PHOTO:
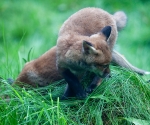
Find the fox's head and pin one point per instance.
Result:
(97, 53)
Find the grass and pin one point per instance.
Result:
(29, 27)
(118, 100)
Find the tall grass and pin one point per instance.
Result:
(119, 100)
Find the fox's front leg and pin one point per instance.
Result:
(96, 82)
(98, 79)
(68, 93)
(74, 87)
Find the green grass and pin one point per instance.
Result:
(28, 28)
(118, 101)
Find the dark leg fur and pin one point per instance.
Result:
(96, 81)
(69, 92)
(74, 87)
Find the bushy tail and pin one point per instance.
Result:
(121, 19)
(120, 60)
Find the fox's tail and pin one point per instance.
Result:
(121, 19)
(120, 60)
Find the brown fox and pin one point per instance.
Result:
(80, 50)
(39, 72)
(85, 43)
(43, 71)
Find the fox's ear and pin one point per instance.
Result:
(88, 48)
(106, 31)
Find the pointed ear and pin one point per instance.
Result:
(88, 48)
(106, 31)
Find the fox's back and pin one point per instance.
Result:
(89, 21)
(41, 71)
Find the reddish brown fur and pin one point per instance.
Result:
(41, 71)
(85, 43)
(85, 25)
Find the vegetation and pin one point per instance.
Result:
(28, 28)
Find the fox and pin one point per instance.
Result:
(83, 50)
(39, 72)
(42, 71)
(85, 44)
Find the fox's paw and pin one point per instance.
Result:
(82, 95)
(91, 88)
(88, 90)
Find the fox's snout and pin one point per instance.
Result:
(102, 72)
(105, 73)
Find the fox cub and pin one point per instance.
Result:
(85, 44)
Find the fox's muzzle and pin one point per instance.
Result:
(105, 73)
